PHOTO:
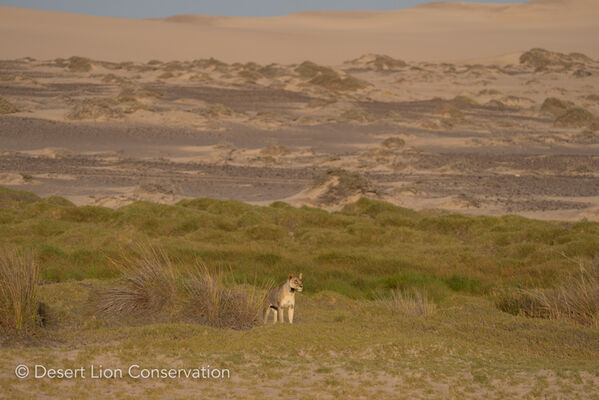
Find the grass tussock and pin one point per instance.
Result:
(150, 285)
(155, 288)
(576, 300)
(19, 302)
(413, 302)
(6, 107)
(210, 302)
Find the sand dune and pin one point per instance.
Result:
(431, 32)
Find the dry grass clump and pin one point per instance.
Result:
(555, 106)
(155, 289)
(541, 59)
(328, 78)
(7, 107)
(150, 285)
(575, 117)
(79, 64)
(412, 302)
(577, 300)
(210, 302)
(94, 109)
(19, 303)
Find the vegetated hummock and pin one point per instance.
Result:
(368, 247)
(417, 291)
(7, 107)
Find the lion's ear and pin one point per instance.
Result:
(300, 275)
(290, 276)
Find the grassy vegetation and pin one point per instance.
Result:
(367, 248)
(576, 299)
(397, 303)
(19, 304)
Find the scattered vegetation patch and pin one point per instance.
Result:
(555, 106)
(348, 183)
(79, 64)
(215, 111)
(575, 117)
(448, 110)
(379, 62)
(7, 107)
(541, 59)
(357, 115)
(98, 108)
(275, 150)
(329, 78)
(393, 143)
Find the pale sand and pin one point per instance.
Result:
(431, 32)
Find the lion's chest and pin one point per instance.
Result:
(288, 300)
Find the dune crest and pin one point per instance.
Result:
(430, 32)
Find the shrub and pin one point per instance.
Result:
(19, 304)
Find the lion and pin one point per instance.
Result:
(283, 297)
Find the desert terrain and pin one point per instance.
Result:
(518, 137)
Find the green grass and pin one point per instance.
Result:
(354, 251)
(396, 303)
